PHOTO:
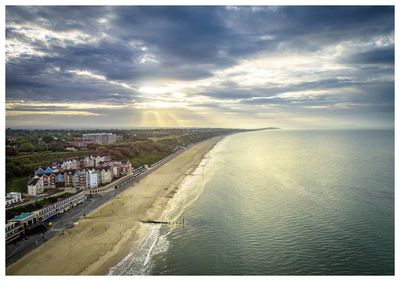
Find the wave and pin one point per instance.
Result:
(156, 241)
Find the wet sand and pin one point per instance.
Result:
(105, 236)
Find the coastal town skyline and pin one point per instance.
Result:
(131, 67)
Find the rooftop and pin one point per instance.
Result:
(33, 181)
(14, 193)
(21, 217)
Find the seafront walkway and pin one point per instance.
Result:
(111, 186)
(37, 199)
(16, 251)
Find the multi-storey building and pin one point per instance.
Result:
(59, 177)
(14, 231)
(13, 198)
(100, 138)
(115, 171)
(49, 180)
(106, 175)
(89, 161)
(126, 168)
(79, 142)
(60, 206)
(68, 178)
(71, 164)
(35, 186)
(93, 179)
(18, 225)
(70, 174)
(79, 179)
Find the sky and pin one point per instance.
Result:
(226, 66)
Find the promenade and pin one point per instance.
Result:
(105, 236)
(96, 199)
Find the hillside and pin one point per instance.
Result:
(138, 146)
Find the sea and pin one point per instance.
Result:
(280, 202)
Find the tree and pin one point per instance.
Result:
(92, 146)
(41, 146)
(56, 146)
(27, 147)
(47, 139)
(11, 151)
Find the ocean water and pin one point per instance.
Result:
(281, 203)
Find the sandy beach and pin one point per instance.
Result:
(108, 234)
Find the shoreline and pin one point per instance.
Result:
(98, 242)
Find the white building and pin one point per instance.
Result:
(106, 175)
(71, 164)
(115, 171)
(67, 165)
(60, 206)
(14, 230)
(89, 161)
(93, 182)
(35, 186)
(15, 226)
(116, 168)
(98, 160)
(13, 198)
(75, 164)
(100, 138)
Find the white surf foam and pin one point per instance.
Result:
(156, 241)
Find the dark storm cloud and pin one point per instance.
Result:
(136, 45)
(57, 18)
(310, 28)
(192, 39)
(228, 93)
(338, 21)
(378, 96)
(180, 35)
(28, 80)
(377, 56)
(195, 34)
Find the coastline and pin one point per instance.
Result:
(108, 234)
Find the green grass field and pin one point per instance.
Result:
(42, 158)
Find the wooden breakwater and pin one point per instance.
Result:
(164, 222)
(152, 221)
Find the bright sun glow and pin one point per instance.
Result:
(159, 104)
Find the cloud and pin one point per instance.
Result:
(375, 56)
(220, 60)
(59, 112)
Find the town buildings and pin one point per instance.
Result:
(93, 178)
(95, 138)
(13, 198)
(35, 186)
(18, 225)
(106, 175)
(100, 138)
(60, 207)
(14, 231)
(79, 173)
(79, 142)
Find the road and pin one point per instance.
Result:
(19, 249)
